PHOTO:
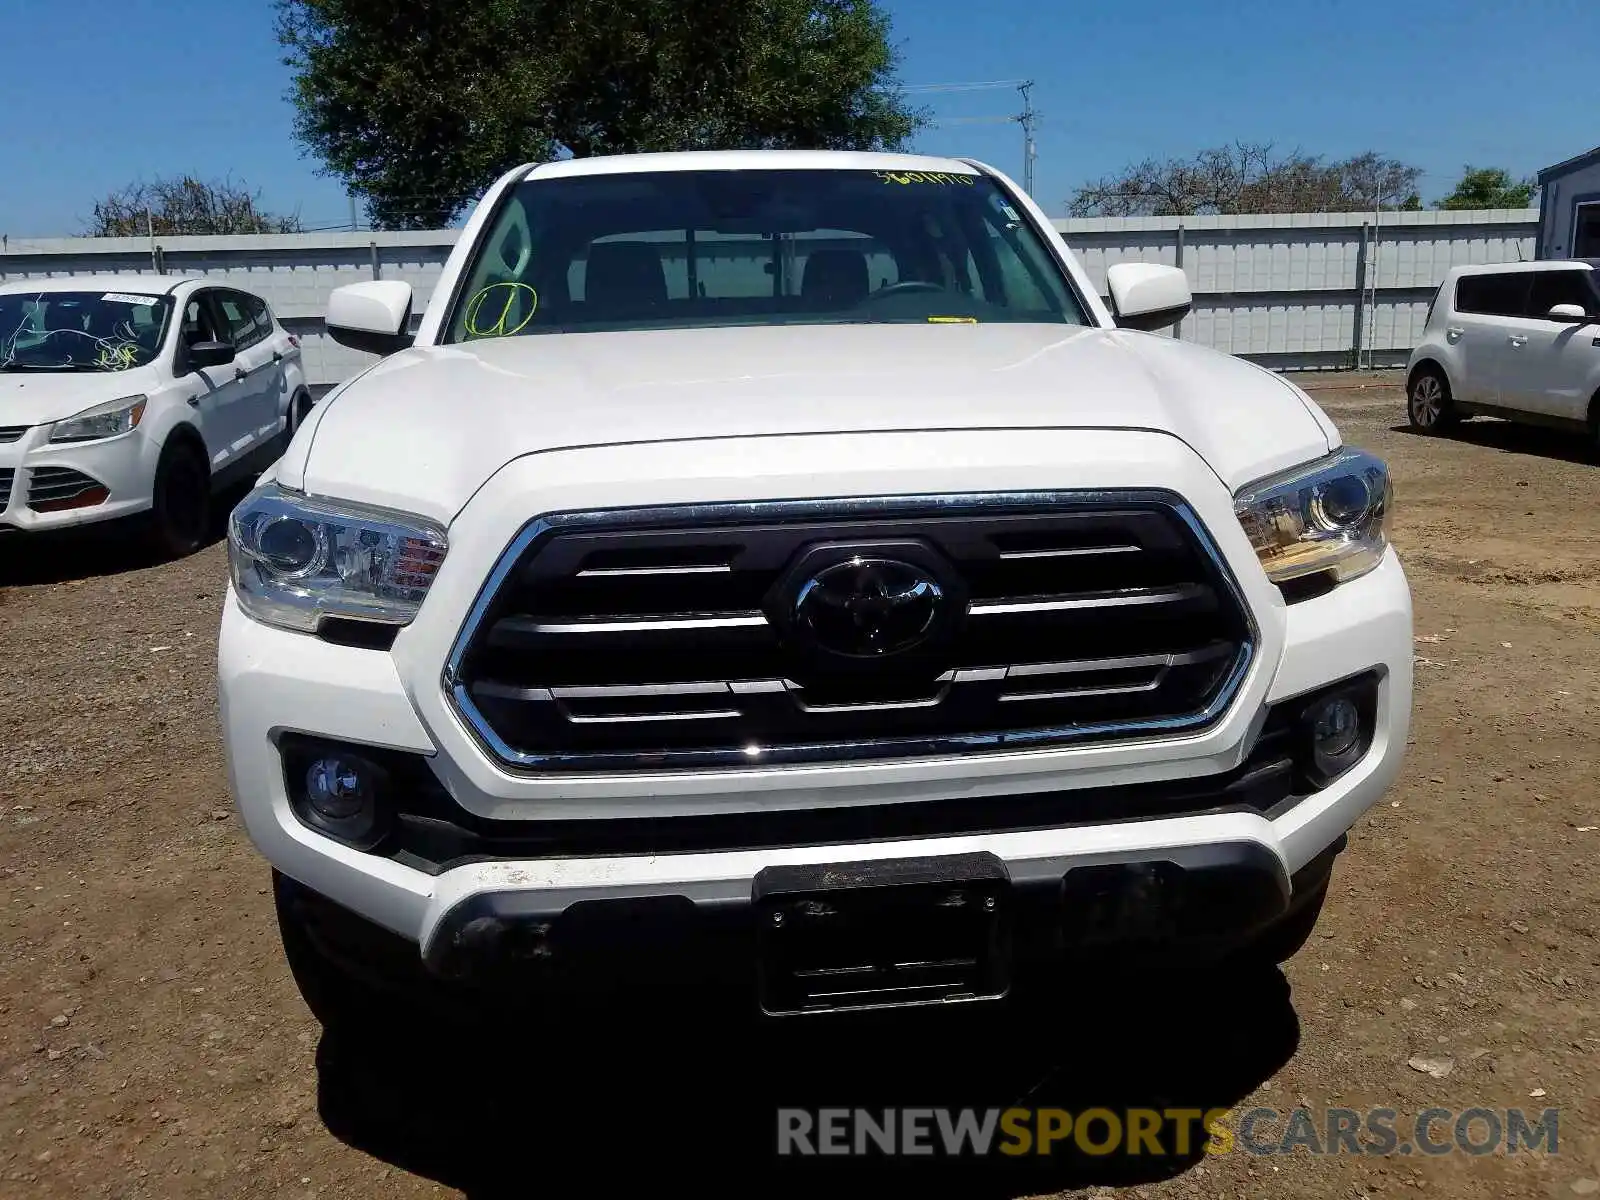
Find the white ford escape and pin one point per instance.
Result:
(124, 395)
(783, 562)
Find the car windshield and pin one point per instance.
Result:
(673, 249)
(81, 331)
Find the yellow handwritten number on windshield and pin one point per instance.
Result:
(497, 322)
(948, 179)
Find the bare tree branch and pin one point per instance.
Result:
(168, 207)
(1248, 177)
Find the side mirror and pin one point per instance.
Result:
(373, 317)
(1148, 296)
(210, 354)
(1568, 312)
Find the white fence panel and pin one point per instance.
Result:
(1294, 291)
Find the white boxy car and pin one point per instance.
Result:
(137, 394)
(1519, 341)
(782, 569)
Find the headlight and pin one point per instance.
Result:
(296, 560)
(101, 421)
(1326, 516)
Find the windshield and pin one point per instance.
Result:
(674, 249)
(81, 331)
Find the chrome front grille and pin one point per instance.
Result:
(665, 639)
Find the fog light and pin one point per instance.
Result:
(1335, 733)
(338, 792)
(334, 788)
(1335, 729)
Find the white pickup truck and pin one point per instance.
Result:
(786, 562)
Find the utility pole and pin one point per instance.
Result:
(1027, 119)
(1371, 283)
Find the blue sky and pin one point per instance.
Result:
(100, 92)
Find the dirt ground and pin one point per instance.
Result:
(153, 1045)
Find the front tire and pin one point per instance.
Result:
(180, 510)
(1430, 407)
(340, 1000)
(1281, 942)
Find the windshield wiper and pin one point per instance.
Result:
(26, 366)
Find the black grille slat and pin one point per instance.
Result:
(12, 433)
(665, 599)
(52, 484)
(7, 476)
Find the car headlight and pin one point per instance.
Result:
(1324, 517)
(297, 560)
(102, 421)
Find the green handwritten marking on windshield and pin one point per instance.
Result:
(942, 178)
(118, 357)
(497, 322)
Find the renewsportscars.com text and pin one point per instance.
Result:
(1168, 1131)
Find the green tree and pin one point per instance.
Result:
(1489, 187)
(419, 106)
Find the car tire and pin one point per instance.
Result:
(1280, 942)
(1430, 407)
(340, 1000)
(180, 508)
(299, 409)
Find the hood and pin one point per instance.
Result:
(40, 397)
(425, 428)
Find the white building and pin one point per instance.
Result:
(1569, 208)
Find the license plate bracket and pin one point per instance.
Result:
(882, 934)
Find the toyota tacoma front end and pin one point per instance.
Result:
(788, 561)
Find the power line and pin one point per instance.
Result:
(924, 89)
(1028, 118)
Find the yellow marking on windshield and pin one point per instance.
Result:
(118, 357)
(952, 320)
(499, 327)
(943, 178)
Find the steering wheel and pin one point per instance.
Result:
(904, 287)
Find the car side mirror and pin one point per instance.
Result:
(1568, 312)
(372, 317)
(1148, 296)
(210, 354)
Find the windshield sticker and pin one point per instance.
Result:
(952, 320)
(125, 298)
(498, 322)
(935, 177)
(1011, 213)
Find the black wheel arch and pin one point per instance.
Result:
(186, 435)
(1431, 366)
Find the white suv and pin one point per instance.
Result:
(124, 395)
(1519, 341)
(783, 562)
